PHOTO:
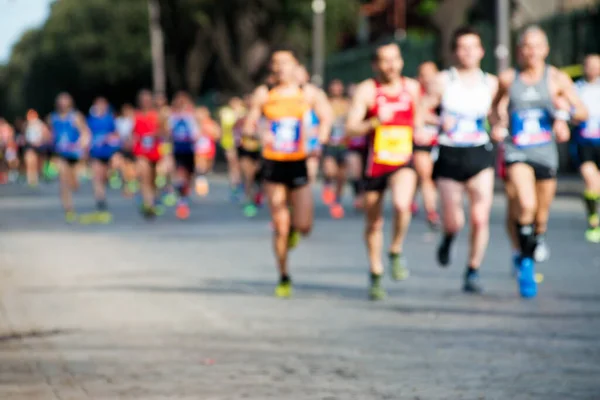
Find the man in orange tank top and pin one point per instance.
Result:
(383, 110)
(280, 112)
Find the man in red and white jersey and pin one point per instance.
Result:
(383, 110)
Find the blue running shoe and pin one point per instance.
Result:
(527, 281)
(516, 264)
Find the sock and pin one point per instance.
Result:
(470, 271)
(591, 202)
(540, 237)
(448, 239)
(394, 256)
(375, 279)
(284, 279)
(101, 205)
(526, 240)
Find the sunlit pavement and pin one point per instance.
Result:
(183, 310)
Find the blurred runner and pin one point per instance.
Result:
(312, 124)
(146, 144)
(587, 136)
(540, 98)
(71, 142)
(334, 153)
(284, 106)
(8, 153)
(248, 150)
(105, 143)
(205, 148)
(423, 154)
(466, 160)
(228, 115)
(383, 110)
(124, 124)
(37, 141)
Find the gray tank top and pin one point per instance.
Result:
(531, 113)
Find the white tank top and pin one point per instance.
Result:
(465, 109)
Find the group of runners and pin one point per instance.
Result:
(444, 132)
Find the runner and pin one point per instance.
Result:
(248, 150)
(103, 153)
(8, 152)
(284, 106)
(588, 144)
(184, 129)
(146, 144)
(124, 124)
(205, 148)
(334, 161)
(71, 140)
(228, 115)
(539, 99)
(37, 137)
(466, 160)
(312, 124)
(383, 109)
(424, 156)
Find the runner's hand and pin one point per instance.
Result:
(423, 136)
(561, 130)
(499, 133)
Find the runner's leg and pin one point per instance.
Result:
(424, 167)
(403, 185)
(453, 216)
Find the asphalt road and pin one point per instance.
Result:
(183, 310)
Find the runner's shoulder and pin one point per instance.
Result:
(260, 93)
(365, 90)
(558, 75)
(507, 77)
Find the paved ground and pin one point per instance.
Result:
(171, 310)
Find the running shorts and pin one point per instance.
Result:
(253, 155)
(292, 174)
(463, 163)
(380, 183)
(542, 172)
(588, 153)
(336, 152)
(426, 149)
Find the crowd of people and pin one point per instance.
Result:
(444, 133)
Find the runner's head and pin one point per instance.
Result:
(32, 115)
(427, 72)
(127, 110)
(591, 67)
(467, 47)
(533, 47)
(100, 106)
(336, 88)
(387, 62)
(236, 104)
(145, 100)
(284, 65)
(182, 101)
(64, 102)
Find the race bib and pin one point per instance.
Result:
(250, 143)
(531, 128)
(287, 135)
(148, 142)
(34, 135)
(468, 131)
(64, 143)
(203, 145)
(393, 144)
(590, 129)
(337, 134)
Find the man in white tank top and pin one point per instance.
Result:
(465, 161)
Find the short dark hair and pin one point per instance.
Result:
(379, 45)
(463, 31)
(285, 49)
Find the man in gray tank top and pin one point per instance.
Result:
(531, 110)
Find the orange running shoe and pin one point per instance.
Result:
(328, 196)
(337, 211)
(182, 211)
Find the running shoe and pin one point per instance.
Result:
(160, 181)
(433, 219)
(336, 211)
(103, 217)
(293, 239)
(169, 199)
(471, 283)
(250, 210)
(414, 208)
(70, 217)
(443, 254)
(399, 270)
(182, 211)
(328, 195)
(376, 291)
(148, 212)
(542, 252)
(592, 235)
(283, 290)
(259, 199)
(527, 282)
(115, 181)
(133, 186)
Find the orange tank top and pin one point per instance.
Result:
(285, 115)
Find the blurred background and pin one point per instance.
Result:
(215, 49)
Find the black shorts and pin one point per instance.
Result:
(69, 160)
(338, 153)
(380, 183)
(462, 163)
(127, 154)
(542, 172)
(588, 153)
(417, 147)
(185, 161)
(292, 174)
(103, 160)
(253, 155)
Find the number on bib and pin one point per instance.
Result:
(393, 144)
(148, 142)
(287, 135)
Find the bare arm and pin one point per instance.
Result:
(324, 111)
(499, 109)
(356, 124)
(259, 98)
(566, 88)
(430, 101)
(84, 130)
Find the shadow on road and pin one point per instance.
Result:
(33, 334)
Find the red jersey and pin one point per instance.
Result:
(146, 141)
(390, 145)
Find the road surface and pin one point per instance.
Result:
(183, 310)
